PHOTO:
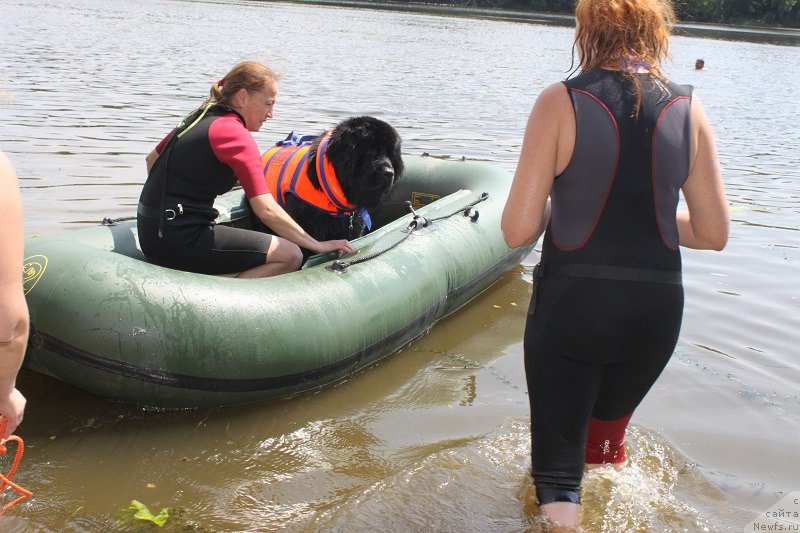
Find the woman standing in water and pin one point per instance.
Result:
(612, 148)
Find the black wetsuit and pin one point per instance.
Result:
(608, 302)
(200, 159)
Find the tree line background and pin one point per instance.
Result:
(748, 12)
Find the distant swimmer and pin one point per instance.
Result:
(699, 64)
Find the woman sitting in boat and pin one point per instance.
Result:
(202, 158)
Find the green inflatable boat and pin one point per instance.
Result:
(109, 322)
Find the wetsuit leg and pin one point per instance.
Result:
(593, 348)
(205, 249)
(623, 386)
(561, 392)
(223, 249)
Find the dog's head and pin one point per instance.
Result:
(365, 153)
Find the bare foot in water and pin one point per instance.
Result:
(562, 516)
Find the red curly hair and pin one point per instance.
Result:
(609, 32)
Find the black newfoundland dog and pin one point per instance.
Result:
(329, 184)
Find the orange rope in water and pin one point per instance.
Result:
(24, 494)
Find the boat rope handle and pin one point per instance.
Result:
(417, 222)
(24, 494)
(341, 266)
(467, 210)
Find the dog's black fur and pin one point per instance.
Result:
(365, 154)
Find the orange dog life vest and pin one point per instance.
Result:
(285, 169)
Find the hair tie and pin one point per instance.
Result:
(220, 82)
(634, 63)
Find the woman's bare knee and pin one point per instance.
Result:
(282, 257)
(286, 253)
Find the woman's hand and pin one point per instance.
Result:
(12, 408)
(273, 215)
(340, 246)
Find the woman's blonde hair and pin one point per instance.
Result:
(248, 75)
(631, 32)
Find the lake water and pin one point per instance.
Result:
(436, 437)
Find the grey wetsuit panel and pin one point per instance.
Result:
(670, 164)
(581, 190)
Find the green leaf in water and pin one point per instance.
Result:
(143, 513)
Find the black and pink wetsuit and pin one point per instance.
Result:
(607, 309)
(200, 159)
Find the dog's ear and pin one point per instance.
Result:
(397, 157)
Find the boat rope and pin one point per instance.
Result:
(24, 494)
(108, 221)
(341, 266)
(418, 222)
(467, 210)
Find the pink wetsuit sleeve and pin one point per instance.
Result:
(160, 146)
(234, 146)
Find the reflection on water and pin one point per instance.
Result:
(436, 437)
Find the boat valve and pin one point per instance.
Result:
(473, 214)
(338, 266)
(419, 224)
